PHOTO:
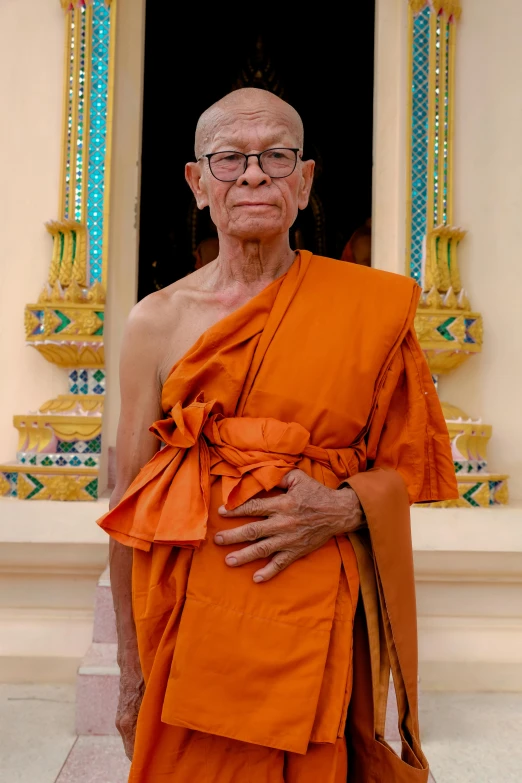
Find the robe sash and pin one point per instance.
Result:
(250, 454)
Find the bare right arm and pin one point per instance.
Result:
(135, 445)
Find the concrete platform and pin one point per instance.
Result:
(468, 738)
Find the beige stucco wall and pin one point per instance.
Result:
(124, 202)
(488, 203)
(31, 73)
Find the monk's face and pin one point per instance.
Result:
(253, 207)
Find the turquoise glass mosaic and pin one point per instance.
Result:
(79, 446)
(97, 136)
(419, 139)
(12, 480)
(433, 220)
(87, 382)
(73, 459)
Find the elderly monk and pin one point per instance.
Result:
(261, 560)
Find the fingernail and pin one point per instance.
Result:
(218, 539)
(258, 578)
(222, 510)
(231, 561)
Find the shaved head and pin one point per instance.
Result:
(245, 103)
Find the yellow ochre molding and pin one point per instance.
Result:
(108, 152)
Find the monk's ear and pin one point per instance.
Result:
(305, 186)
(195, 181)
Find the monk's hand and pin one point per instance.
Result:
(295, 523)
(132, 688)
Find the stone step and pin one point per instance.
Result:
(95, 760)
(104, 619)
(97, 690)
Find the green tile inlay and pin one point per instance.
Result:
(92, 489)
(64, 321)
(37, 486)
(469, 495)
(443, 329)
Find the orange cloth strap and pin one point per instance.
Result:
(250, 454)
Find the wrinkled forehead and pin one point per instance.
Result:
(248, 130)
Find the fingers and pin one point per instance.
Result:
(278, 563)
(252, 531)
(292, 478)
(258, 551)
(255, 507)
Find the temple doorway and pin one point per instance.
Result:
(321, 64)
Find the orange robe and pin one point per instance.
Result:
(320, 371)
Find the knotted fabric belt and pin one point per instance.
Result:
(250, 454)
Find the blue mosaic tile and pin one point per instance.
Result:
(419, 139)
(101, 25)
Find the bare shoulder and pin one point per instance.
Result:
(156, 325)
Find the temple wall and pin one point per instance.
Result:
(31, 78)
(488, 203)
(124, 204)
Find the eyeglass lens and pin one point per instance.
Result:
(228, 166)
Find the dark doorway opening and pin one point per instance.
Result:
(321, 63)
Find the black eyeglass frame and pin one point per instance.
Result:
(257, 155)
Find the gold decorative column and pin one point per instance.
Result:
(60, 445)
(448, 329)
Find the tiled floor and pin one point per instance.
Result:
(468, 738)
(36, 731)
(473, 738)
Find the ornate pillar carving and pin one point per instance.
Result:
(60, 445)
(448, 329)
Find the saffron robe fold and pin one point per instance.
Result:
(320, 371)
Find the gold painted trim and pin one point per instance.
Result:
(416, 6)
(94, 339)
(451, 112)
(86, 112)
(409, 146)
(50, 469)
(108, 151)
(63, 305)
(481, 478)
(74, 129)
(51, 419)
(431, 127)
(61, 205)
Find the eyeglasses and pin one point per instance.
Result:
(276, 163)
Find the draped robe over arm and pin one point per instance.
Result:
(321, 371)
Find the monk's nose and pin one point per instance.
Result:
(254, 174)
